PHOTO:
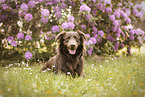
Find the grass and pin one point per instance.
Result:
(111, 77)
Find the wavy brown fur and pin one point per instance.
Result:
(64, 61)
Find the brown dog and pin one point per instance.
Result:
(70, 54)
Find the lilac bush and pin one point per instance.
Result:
(109, 24)
(28, 17)
(28, 55)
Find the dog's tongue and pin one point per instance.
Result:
(72, 51)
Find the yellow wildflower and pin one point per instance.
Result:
(76, 91)
(135, 93)
(48, 92)
(59, 92)
(26, 81)
(129, 75)
(96, 90)
(141, 85)
(102, 84)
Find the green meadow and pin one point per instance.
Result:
(106, 76)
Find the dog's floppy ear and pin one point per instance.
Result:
(59, 35)
(82, 34)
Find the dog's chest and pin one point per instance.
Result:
(72, 65)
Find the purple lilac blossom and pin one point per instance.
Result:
(24, 7)
(28, 17)
(128, 11)
(84, 7)
(56, 1)
(99, 6)
(139, 38)
(44, 20)
(10, 39)
(128, 20)
(139, 15)
(45, 12)
(117, 14)
(31, 4)
(140, 43)
(131, 38)
(64, 25)
(49, 36)
(134, 11)
(88, 35)
(119, 30)
(28, 38)
(96, 35)
(14, 43)
(89, 52)
(71, 25)
(81, 0)
(112, 17)
(2, 1)
(107, 1)
(20, 36)
(108, 10)
(101, 33)
(114, 28)
(94, 1)
(138, 6)
(110, 38)
(88, 17)
(121, 45)
(93, 39)
(116, 23)
(123, 33)
(58, 14)
(83, 27)
(95, 29)
(94, 12)
(132, 32)
(139, 32)
(28, 55)
(5, 6)
(123, 14)
(56, 8)
(144, 39)
(119, 4)
(40, 1)
(87, 43)
(71, 19)
(55, 29)
(63, 5)
(116, 45)
(142, 12)
(99, 40)
(117, 35)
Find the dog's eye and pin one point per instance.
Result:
(67, 37)
(76, 37)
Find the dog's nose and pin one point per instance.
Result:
(72, 45)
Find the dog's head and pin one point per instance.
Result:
(71, 40)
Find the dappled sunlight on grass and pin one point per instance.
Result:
(110, 77)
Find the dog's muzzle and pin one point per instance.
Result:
(72, 49)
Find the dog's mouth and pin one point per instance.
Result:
(72, 51)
